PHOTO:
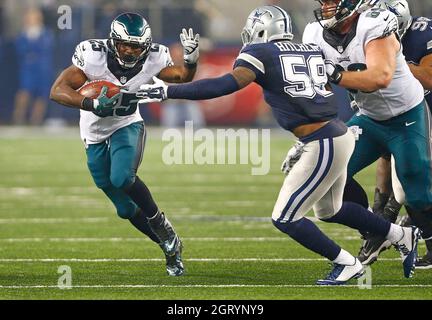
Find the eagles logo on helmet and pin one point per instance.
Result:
(131, 29)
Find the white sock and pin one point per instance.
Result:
(395, 233)
(345, 258)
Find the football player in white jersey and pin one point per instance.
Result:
(364, 55)
(112, 128)
(416, 37)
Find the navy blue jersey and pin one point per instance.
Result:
(293, 78)
(417, 43)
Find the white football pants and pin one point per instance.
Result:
(317, 180)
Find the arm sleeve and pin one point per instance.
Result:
(78, 58)
(204, 89)
(250, 58)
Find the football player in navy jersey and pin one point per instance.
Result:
(294, 81)
(416, 35)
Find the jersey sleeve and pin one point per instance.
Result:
(378, 24)
(78, 58)
(90, 57)
(424, 35)
(252, 59)
(165, 55)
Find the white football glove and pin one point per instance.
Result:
(155, 92)
(190, 45)
(292, 157)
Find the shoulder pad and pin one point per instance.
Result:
(376, 23)
(310, 32)
(155, 47)
(90, 54)
(160, 54)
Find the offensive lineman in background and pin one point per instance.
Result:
(416, 35)
(295, 86)
(113, 130)
(393, 115)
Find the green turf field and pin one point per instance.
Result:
(51, 215)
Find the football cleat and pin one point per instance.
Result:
(371, 249)
(407, 247)
(340, 274)
(374, 245)
(173, 250)
(424, 262)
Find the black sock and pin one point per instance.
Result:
(140, 221)
(354, 192)
(141, 195)
(380, 200)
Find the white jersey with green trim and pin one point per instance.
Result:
(348, 51)
(94, 58)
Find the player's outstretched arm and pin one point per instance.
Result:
(203, 89)
(380, 66)
(185, 73)
(64, 88)
(423, 71)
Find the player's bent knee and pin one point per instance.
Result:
(289, 228)
(122, 180)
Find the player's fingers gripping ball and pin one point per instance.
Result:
(104, 95)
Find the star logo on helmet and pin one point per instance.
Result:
(257, 17)
(394, 10)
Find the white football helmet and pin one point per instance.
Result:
(401, 9)
(267, 23)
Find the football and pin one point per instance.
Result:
(92, 89)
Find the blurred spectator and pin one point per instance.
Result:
(174, 113)
(104, 17)
(34, 50)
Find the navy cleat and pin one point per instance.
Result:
(173, 250)
(342, 274)
(407, 247)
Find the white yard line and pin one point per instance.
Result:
(183, 216)
(222, 286)
(52, 220)
(141, 239)
(158, 259)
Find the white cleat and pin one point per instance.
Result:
(407, 247)
(342, 273)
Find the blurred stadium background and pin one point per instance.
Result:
(33, 50)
